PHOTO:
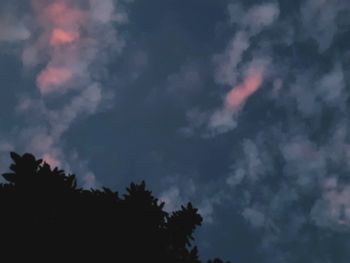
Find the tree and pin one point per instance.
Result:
(44, 212)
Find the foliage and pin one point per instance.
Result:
(45, 213)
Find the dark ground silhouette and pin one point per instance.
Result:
(45, 216)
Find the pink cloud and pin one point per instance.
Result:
(51, 78)
(51, 160)
(61, 37)
(239, 94)
(224, 119)
(58, 14)
(60, 22)
(64, 39)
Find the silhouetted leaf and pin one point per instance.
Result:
(15, 157)
(10, 177)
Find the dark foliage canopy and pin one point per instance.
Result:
(46, 216)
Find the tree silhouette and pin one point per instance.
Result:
(45, 215)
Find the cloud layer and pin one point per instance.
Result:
(238, 106)
(288, 173)
(65, 43)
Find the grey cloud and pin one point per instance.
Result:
(11, 31)
(179, 191)
(312, 90)
(288, 174)
(228, 61)
(260, 16)
(254, 216)
(186, 81)
(332, 210)
(319, 19)
(249, 23)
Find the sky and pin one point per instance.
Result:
(240, 107)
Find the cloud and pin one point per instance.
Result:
(178, 192)
(255, 217)
(279, 79)
(321, 20)
(289, 170)
(86, 103)
(249, 23)
(259, 17)
(69, 51)
(226, 72)
(171, 198)
(225, 119)
(51, 78)
(312, 92)
(235, 99)
(11, 31)
(244, 77)
(67, 45)
(333, 209)
(285, 182)
(51, 160)
(61, 37)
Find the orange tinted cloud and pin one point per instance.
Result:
(60, 14)
(65, 42)
(224, 119)
(240, 93)
(52, 77)
(61, 37)
(61, 22)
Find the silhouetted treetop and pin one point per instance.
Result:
(43, 211)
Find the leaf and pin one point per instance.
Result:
(15, 157)
(9, 177)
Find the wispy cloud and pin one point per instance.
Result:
(12, 31)
(243, 77)
(289, 175)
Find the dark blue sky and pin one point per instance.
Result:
(238, 106)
